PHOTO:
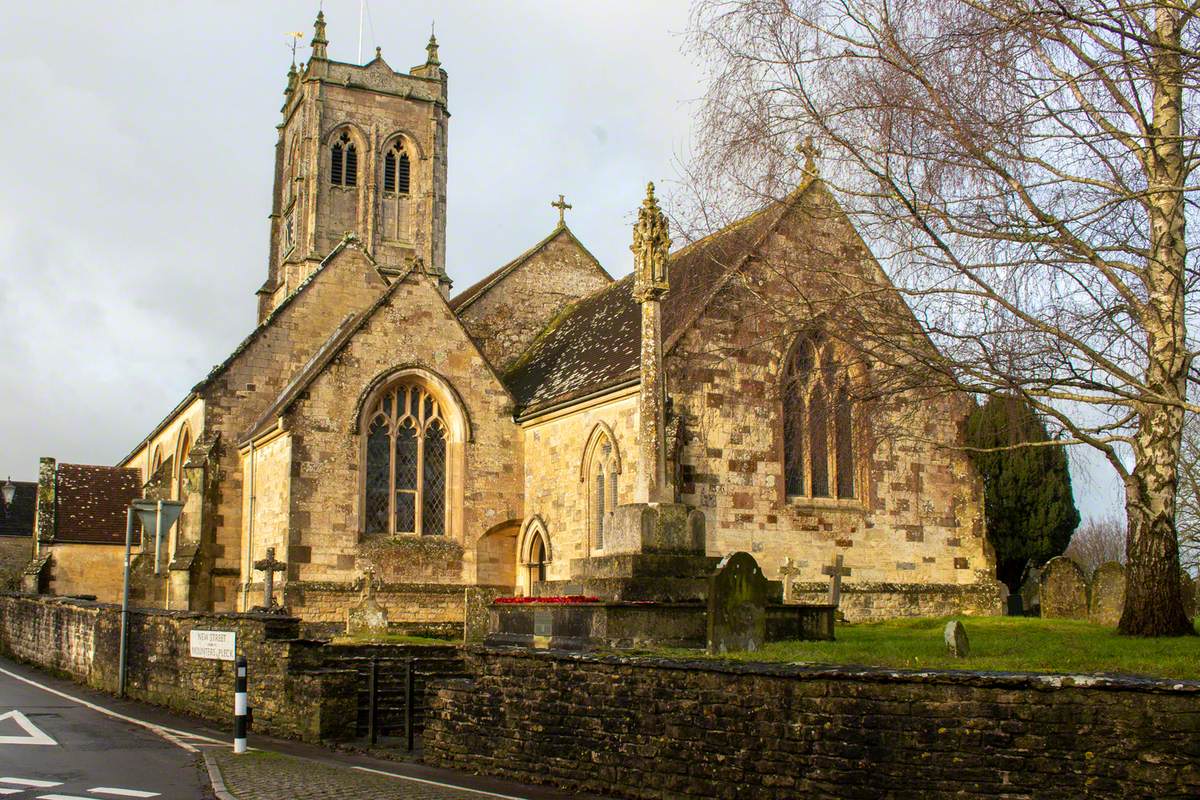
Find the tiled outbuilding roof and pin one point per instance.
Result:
(594, 343)
(16, 519)
(91, 503)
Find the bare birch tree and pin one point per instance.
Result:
(1023, 170)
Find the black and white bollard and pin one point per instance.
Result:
(239, 708)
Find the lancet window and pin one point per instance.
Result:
(343, 167)
(602, 483)
(396, 169)
(818, 423)
(406, 483)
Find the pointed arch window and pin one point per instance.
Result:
(185, 445)
(343, 166)
(397, 169)
(818, 423)
(537, 558)
(602, 488)
(405, 486)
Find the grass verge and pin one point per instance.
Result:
(1009, 644)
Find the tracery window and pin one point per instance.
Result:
(405, 490)
(537, 558)
(185, 445)
(343, 167)
(818, 423)
(603, 488)
(396, 169)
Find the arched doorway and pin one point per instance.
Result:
(535, 555)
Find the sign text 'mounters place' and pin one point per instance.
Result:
(219, 645)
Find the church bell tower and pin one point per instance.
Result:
(362, 151)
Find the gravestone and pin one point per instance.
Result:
(737, 599)
(956, 639)
(368, 617)
(1064, 590)
(1187, 587)
(787, 571)
(1108, 594)
(835, 572)
(1031, 592)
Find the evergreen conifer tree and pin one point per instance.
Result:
(1029, 507)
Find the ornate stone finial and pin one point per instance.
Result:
(432, 50)
(291, 80)
(563, 206)
(651, 244)
(378, 52)
(319, 41)
(811, 153)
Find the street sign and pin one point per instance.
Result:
(216, 645)
(33, 734)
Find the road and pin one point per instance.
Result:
(61, 741)
(54, 748)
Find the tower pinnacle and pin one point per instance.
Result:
(319, 41)
(432, 50)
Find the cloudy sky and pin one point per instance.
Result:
(137, 177)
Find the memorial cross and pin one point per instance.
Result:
(269, 566)
(788, 569)
(835, 573)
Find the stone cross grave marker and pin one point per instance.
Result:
(788, 569)
(1108, 594)
(737, 605)
(1064, 590)
(269, 566)
(368, 616)
(835, 572)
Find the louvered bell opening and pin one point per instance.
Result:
(351, 166)
(403, 172)
(389, 172)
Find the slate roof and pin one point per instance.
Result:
(594, 344)
(17, 518)
(91, 502)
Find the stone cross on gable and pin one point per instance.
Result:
(269, 566)
(835, 573)
(811, 153)
(788, 569)
(563, 206)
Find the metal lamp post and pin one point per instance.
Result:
(157, 517)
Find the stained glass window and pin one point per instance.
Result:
(406, 448)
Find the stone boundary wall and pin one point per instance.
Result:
(291, 692)
(874, 602)
(651, 728)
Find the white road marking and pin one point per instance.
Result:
(62, 797)
(438, 783)
(170, 734)
(32, 783)
(10, 791)
(33, 734)
(121, 792)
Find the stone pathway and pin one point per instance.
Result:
(272, 776)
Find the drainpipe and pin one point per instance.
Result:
(249, 539)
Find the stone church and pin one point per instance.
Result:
(374, 420)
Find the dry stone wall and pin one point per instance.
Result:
(645, 728)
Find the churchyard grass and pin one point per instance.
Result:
(390, 638)
(1010, 644)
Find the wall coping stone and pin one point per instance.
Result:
(1006, 680)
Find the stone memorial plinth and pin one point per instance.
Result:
(1108, 594)
(653, 587)
(1064, 590)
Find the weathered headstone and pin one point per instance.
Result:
(1187, 585)
(368, 617)
(956, 639)
(1031, 591)
(1064, 590)
(737, 599)
(269, 566)
(1108, 594)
